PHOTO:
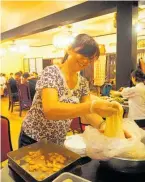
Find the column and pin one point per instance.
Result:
(127, 14)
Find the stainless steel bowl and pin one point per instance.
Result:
(125, 165)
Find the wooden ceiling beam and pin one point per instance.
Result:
(76, 13)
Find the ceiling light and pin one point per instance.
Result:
(23, 48)
(62, 41)
(138, 27)
(64, 38)
(108, 27)
(13, 48)
(2, 51)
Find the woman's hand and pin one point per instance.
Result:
(102, 127)
(118, 106)
(126, 133)
(105, 108)
(120, 90)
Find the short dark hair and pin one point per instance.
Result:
(11, 73)
(18, 74)
(21, 72)
(26, 75)
(138, 75)
(87, 46)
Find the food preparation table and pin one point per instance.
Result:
(92, 171)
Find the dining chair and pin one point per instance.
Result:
(6, 145)
(13, 98)
(25, 101)
(76, 126)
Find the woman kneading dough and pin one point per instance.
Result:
(63, 94)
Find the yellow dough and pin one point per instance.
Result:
(114, 129)
(114, 126)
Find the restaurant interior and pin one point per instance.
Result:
(35, 35)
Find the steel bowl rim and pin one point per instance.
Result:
(128, 159)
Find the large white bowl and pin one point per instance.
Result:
(76, 144)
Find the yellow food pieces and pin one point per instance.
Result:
(33, 168)
(49, 164)
(42, 157)
(41, 177)
(46, 165)
(68, 180)
(31, 162)
(18, 162)
(27, 159)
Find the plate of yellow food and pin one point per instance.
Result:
(69, 177)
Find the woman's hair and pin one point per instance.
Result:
(139, 64)
(138, 75)
(86, 45)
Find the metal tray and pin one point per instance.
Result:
(45, 147)
(73, 177)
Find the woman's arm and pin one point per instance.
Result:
(93, 119)
(55, 110)
(128, 92)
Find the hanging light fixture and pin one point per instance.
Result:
(64, 39)
(23, 48)
(19, 48)
(138, 27)
(2, 51)
(13, 47)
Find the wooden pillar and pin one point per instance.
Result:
(127, 14)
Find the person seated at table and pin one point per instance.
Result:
(136, 96)
(25, 77)
(5, 78)
(2, 84)
(13, 84)
(11, 77)
(107, 88)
